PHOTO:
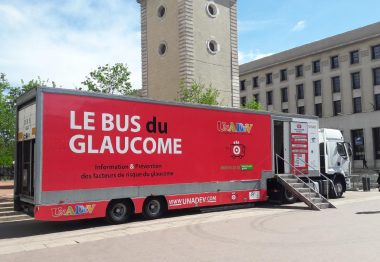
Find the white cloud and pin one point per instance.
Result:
(64, 41)
(245, 57)
(299, 26)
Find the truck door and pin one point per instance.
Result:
(281, 146)
(338, 157)
(346, 161)
(26, 151)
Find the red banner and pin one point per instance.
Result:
(299, 147)
(91, 142)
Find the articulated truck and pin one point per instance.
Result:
(86, 155)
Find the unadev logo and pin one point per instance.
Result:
(73, 210)
(232, 127)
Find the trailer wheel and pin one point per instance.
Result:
(338, 188)
(118, 211)
(154, 207)
(289, 197)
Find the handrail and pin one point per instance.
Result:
(332, 183)
(310, 188)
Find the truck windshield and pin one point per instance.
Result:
(341, 149)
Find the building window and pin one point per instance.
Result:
(376, 76)
(256, 97)
(212, 9)
(162, 48)
(243, 101)
(269, 78)
(269, 98)
(318, 110)
(377, 102)
(300, 93)
(299, 70)
(285, 110)
(213, 47)
(358, 144)
(301, 110)
(283, 75)
(161, 11)
(337, 107)
(335, 83)
(376, 142)
(357, 104)
(255, 81)
(242, 85)
(334, 61)
(375, 52)
(355, 79)
(316, 66)
(284, 94)
(317, 87)
(354, 57)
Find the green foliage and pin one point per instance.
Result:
(7, 125)
(197, 93)
(8, 96)
(253, 105)
(110, 80)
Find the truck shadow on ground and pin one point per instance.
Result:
(276, 205)
(29, 228)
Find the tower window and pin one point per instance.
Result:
(212, 46)
(161, 11)
(212, 9)
(162, 48)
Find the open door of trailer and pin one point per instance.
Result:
(26, 139)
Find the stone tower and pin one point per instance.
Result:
(186, 41)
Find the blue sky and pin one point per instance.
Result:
(64, 40)
(272, 26)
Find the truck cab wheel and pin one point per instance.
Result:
(153, 207)
(118, 212)
(288, 197)
(338, 188)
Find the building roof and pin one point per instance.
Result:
(350, 37)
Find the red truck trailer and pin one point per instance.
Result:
(86, 155)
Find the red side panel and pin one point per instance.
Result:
(214, 199)
(71, 211)
(65, 212)
(91, 143)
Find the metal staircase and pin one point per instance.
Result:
(303, 191)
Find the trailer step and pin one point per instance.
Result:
(8, 213)
(304, 192)
(5, 199)
(3, 209)
(6, 204)
(15, 218)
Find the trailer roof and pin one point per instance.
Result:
(32, 93)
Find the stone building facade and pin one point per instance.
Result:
(185, 41)
(337, 79)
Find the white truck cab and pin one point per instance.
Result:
(335, 159)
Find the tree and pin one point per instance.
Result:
(7, 124)
(110, 80)
(254, 105)
(8, 96)
(197, 93)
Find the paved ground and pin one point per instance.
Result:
(263, 233)
(6, 188)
